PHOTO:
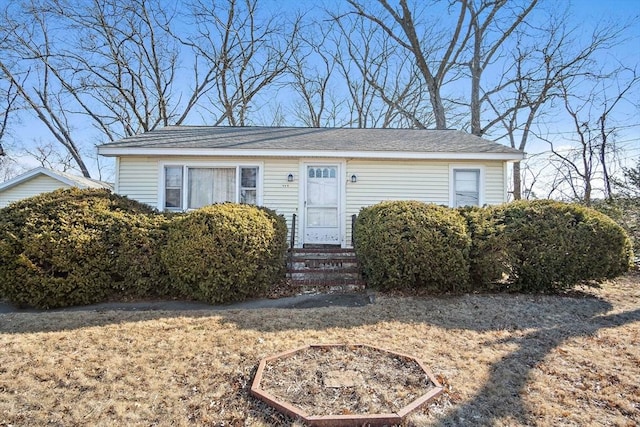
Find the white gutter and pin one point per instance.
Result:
(128, 151)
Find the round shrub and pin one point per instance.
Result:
(409, 244)
(226, 252)
(488, 257)
(74, 246)
(552, 246)
(626, 213)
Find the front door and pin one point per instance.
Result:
(322, 205)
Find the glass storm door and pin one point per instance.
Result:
(322, 224)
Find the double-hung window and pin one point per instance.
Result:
(173, 188)
(192, 187)
(466, 187)
(249, 185)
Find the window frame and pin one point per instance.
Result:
(164, 186)
(208, 165)
(453, 168)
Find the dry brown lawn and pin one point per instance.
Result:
(505, 359)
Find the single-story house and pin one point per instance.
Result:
(322, 175)
(42, 180)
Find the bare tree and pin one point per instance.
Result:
(114, 71)
(8, 107)
(629, 184)
(593, 145)
(544, 61)
(124, 64)
(486, 34)
(48, 156)
(355, 56)
(479, 30)
(117, 74)
(531, 61)
(384, 86)
(8, 96)
(607, 144)
(27, 48)
(435, 53)
(243, 51)
(311, 69)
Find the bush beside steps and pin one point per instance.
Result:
(73, 247)
(526, 246)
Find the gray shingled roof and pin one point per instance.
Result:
(322, 139)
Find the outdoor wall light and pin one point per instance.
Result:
(354, 178)
(290, 177)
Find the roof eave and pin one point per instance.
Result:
(33, 173)
(108, 151)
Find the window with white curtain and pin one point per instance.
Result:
(211, 185)
(194, 187)
(466, 187)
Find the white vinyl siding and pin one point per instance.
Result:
(138, 179)
(280, 194)
(426, 181)
(495, 183)
(32, 187)
(377, 180)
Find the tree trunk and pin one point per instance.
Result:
(517, 181)
(438, 108)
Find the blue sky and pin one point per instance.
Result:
(585, 14)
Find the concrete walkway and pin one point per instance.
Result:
(299, 301)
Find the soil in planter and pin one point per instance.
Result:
(345, 380)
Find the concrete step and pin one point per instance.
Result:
(327, 264)
(326, 275)
(324, 268)
(308, 286)
(322, 253)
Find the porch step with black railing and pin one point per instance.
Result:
(324, 270)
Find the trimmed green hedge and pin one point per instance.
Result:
(539, 246)
(226, 252)
(73, 247)
(552, 246)
(488, 256)
(409, 244)
(625, 212)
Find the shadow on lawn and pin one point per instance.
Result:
(553, 319)
(500, 397)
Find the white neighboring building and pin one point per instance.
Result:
(42, 180)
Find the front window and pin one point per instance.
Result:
(173, 187)
(195, 187)
(249, 185)
(211, 185)
(466, 187)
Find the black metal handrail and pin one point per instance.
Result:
(353, 228)
(293, 232)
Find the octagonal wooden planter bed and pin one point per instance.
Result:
(344, 385)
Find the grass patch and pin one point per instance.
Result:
(504, 359)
